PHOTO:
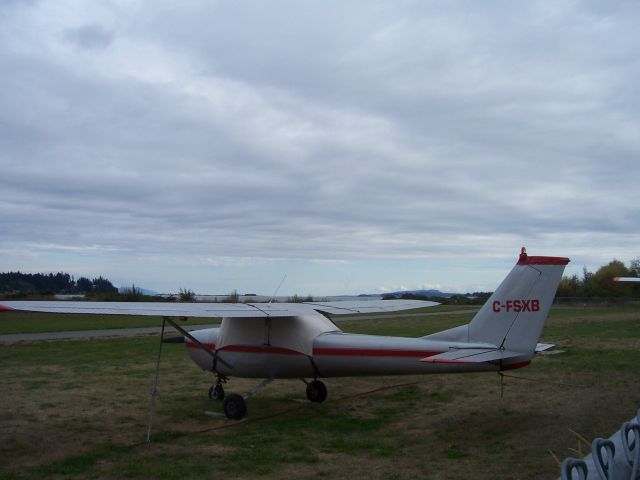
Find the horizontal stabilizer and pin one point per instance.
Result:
(541, 347)
(471, 355)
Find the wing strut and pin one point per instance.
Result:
(154, 391)
(213, 355)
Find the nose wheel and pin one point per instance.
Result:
(216, 392)
(235, 406)
(316, 391)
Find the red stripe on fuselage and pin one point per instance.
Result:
(209, 346)
(4, 308)
(344, 352)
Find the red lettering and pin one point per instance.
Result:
(516, 306)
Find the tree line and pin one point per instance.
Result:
(475, 298)
(600, 284)
(52, 283)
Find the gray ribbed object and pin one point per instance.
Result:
(623, 446)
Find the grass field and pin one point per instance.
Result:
(78, 409)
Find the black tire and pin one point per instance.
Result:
(216, 392)
(316, 391)
(235, 408)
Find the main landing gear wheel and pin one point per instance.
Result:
(216, 392)
(316, 391)
(235, 408)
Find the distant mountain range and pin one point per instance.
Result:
(145, 291)
(423, 293)
(398, 294)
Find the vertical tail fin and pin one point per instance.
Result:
(514, 316)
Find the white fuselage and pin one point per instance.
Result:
(335, 354)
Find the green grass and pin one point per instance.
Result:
(85, 355)
(71, 465)
(577, 312)
(405, 326)
(78, 409)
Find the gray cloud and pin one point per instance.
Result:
(91, 37)
(338, 133)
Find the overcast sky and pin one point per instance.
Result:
(357, 146)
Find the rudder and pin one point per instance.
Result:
(514, 316)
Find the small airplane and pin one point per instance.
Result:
(299, 340)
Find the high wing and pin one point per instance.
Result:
(211, 310)
(543, 347)
(158, 309)
(368, 306)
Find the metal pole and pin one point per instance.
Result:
(154, 391)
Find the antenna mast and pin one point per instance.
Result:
(279, 285)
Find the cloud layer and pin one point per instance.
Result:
(205, 143)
